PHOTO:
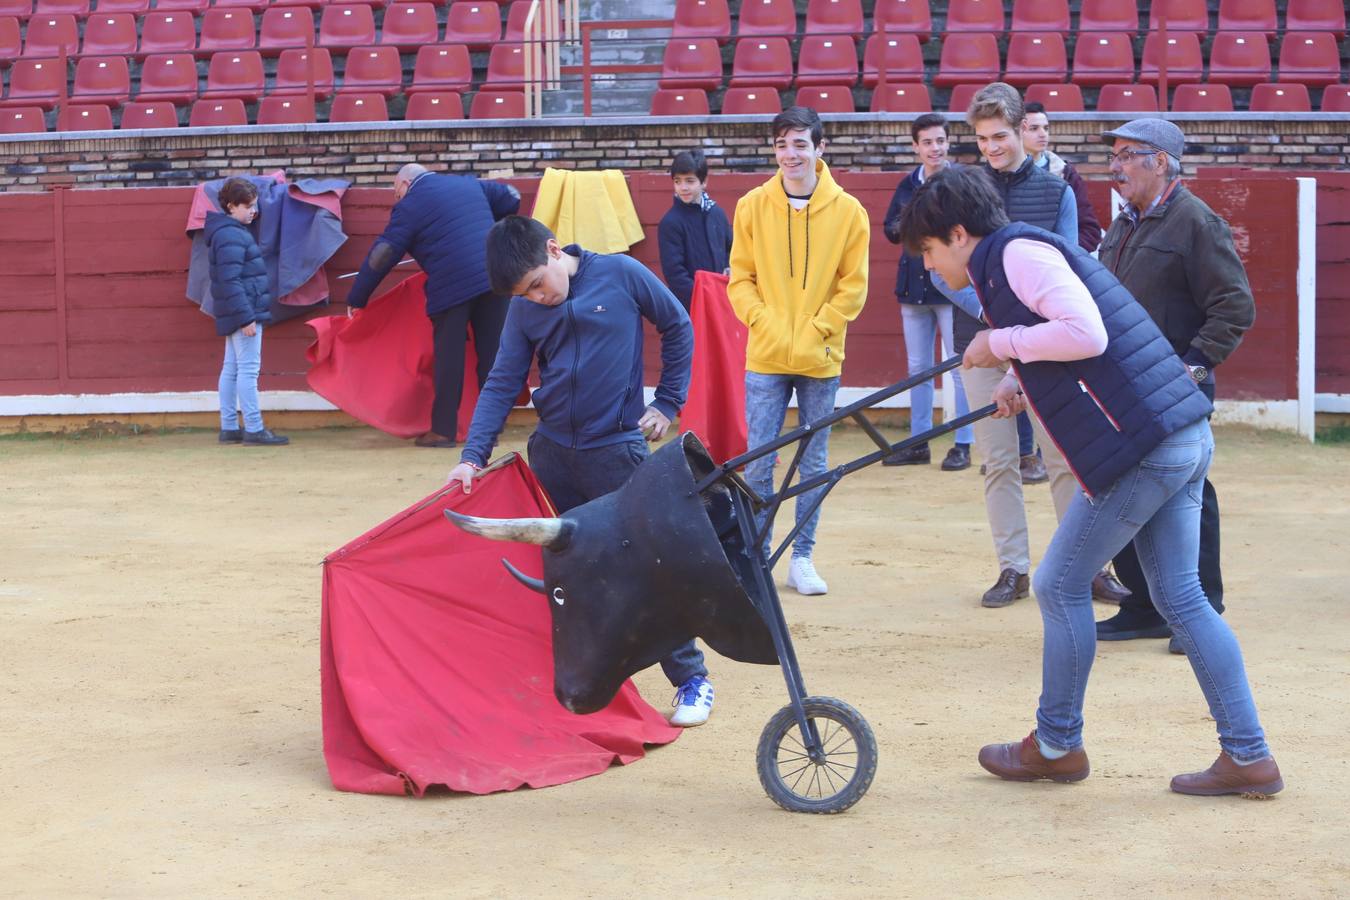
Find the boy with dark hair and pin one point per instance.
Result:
(580, 315)
(925, 312)
(242, 305)
(798, 277)
(695, 234)
(1107, 386)
(1036, 140)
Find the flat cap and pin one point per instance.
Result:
(1159, 134)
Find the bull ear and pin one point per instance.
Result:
(534, 584)
(553, 534)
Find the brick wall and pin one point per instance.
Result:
(370, 155)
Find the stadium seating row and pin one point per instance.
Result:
(85, 8)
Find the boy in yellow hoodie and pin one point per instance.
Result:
(798, 277)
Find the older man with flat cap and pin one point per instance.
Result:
(1176, 256)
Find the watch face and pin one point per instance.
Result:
(1199, 373)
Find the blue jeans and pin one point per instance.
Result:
(573, 477)
(766, 403)
(239, 381)
(1157, 504)
(922, 323)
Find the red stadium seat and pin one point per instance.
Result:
(1248, 15)
(77, 8)
(442, 67)
(22, 120)
(1239, 58)
(967, 58)
(274, 110)
(826, 60)
(292, 77)
(227, 29)
(359, 108)
(1308, 57)
(102, 79)
(346, 25)
(693, 63)
(762, 62)
(1182, 16)
(285, 26)
(149, 115)
(960, 98)
(981, 16)
(497, 105)
(680, 102)
(196, 7)
(256, 6)
(506, 67)
(1336, 98)
(828, 99)
(1041, 15)
(834, 17)
(1056, 97)
(408, 26)
(902, 98)
(751, 101)
(1184, 62)
(135, 7)
(1202, 98)
(1103, 57)
(218, 114)
(477, 24)
(1109, 15)
(903, 17)
(46, 36)
(515, 21)
(109, 35)
(1316, 15)
(35, 82)
(693, 19)
(174, 31)
(95, 117)
(373, 70)
(11, 45)
(168, 78)
(903, 58)
(312, 4)
(434, 105)
(1280, 98)
(19, 9)
(766, 18)
(1117, 98)
(235, 74)
(1034, 57)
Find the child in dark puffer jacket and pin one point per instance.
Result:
(242, 306)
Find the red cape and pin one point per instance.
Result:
(715, 410)
(437, 665)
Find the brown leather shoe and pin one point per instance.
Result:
(1106, 588)
(1024, 762)
(1011, 585)
(1033, 470)
(432, 439)
(1254, 782)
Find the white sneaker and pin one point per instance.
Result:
(693, 702)
(802, 576)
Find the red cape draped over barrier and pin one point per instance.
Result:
(437, 665)
(377, 366)
(715, 410)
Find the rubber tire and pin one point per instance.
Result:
(785, 720)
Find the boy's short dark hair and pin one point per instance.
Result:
(958, 195)
(515, 245)
(1034, 106)
(236, 192)
(925, 122)
(690, 162)
(997, 101)
(799, 118)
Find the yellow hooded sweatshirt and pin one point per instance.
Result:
(798, 277)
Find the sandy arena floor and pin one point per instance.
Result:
(160, 605)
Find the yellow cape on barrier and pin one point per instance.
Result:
(593, 209)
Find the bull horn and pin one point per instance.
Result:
(534, 584)
(550, 533)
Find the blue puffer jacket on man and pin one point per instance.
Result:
(239, 285)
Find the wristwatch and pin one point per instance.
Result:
(1198, 373)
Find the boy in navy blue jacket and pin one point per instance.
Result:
(695, 234)
(580, 314)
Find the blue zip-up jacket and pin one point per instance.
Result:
(589, 349)
(913, 284)
(692, 241)
(239, 294)
(1107, 412)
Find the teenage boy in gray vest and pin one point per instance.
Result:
(1118, 402)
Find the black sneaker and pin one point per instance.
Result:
(1128, 625)
(918, 455)
(958, 458)
(231, 435)
(265, 438)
